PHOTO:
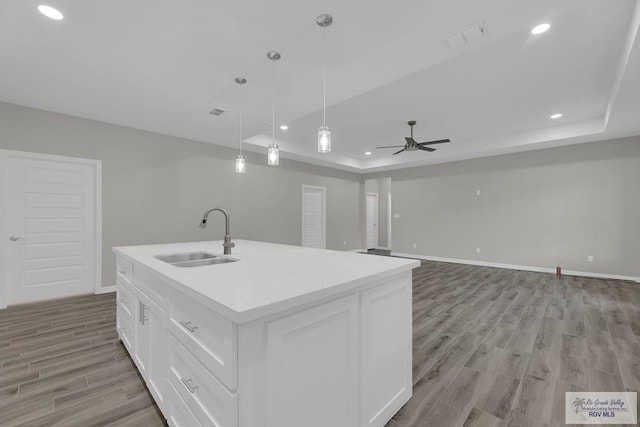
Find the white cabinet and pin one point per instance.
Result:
(125, 302)
(386, 353)
(342, 361)
(312, 357)
(141, 325)
(150, 349)
(176, 410)
(206, 397)
(211, 337)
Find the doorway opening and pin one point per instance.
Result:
(377, 201)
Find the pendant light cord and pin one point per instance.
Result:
(241, 113)
(273, 105)
(324, 77)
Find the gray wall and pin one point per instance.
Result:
(535, 208)
(156, 187)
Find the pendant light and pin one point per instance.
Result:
(324, 133)
(241, 163)
(273, 153)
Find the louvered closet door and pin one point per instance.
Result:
(313, 217)
(51, 221)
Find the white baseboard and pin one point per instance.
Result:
(105, 290)
(519, 267)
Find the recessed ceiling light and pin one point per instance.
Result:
(556, 116)
(539, 29)
(367, 153)
(50, 12)
(284, 127)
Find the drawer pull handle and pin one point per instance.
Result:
(123, 300)
(187, 384)
(123, 272)
(188, 326)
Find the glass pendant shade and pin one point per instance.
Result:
(273, 155)
(240, 164)
(324, 139)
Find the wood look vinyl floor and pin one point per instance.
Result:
(492, 347)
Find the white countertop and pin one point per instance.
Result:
(268, 277)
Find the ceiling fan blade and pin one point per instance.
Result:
(439, 141)
(410, 140)
(392, 146)
(420, 147)
(398, 152)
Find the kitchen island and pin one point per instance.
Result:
(271, 335)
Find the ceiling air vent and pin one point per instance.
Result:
(472, 33)
(216, 112)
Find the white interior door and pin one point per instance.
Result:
(50, 227)
(372, 220)
(313, 217)
(389, 222)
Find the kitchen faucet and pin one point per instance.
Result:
(227, 245)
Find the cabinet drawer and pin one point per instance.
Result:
(124, 270)
(125, 330)
(178, 414)
(125, 301)
(208, 399)
(209, 336)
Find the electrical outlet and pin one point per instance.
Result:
(415, 246)
(477, 192)
(396, 215)
(344, 243)
(590, 258)
(477, 250)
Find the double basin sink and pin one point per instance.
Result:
(194, 259)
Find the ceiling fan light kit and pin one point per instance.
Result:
(413, 145)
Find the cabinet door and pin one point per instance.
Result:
(386, 354)
(150, 349)
(311, 363)
(141, 335)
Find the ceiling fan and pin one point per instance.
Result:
(412, 145)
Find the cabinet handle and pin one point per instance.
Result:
(188, 326)
(141, 309)
(191, 388)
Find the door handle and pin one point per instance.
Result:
(141, 317)
(15, 239)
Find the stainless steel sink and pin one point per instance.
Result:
(194, 259)
(203, 262)
(188, 256)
